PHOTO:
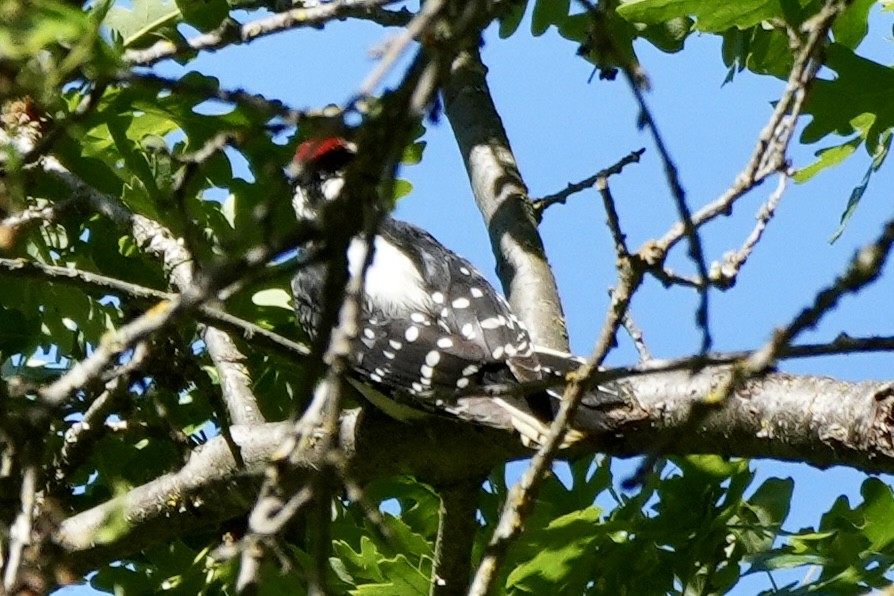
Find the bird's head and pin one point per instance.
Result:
(318, 172)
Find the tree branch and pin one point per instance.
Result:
(211, 488)
(769, 154)
(815, 420)
(560, 197)
(502, 197)
(457, 526)
(89, 281)
(230, 32)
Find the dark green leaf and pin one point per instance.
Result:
(512, 17)
(668, 36)
(858, 191)
(856, 100)
(204, 15)
(548, 12)
(772, 500)
(18, 331)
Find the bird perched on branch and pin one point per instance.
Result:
(432, 329)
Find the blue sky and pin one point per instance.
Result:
(564, 128)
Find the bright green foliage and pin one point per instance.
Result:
(853, 547)
(853, 104)
(712, 16)
(689, 527)
(142, 21)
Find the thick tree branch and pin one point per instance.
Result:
(815, 420)
(502, 197)
(212, 488)
(457, 526)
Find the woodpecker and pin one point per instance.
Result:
(431, 327)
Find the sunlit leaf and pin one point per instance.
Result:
(859, 190)
(273, 297)
(144, 17)
(710, 15)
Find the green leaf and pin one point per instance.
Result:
(40, 25)
(828, 157)
(563, 546)
(363, 563)
(782, 560)
(412, 154)
(402, 188)
(878, 511)
(859, 190)
(668, 36)
(710, 15)
(713, 466)
(576, 27)
(852, 25)
(606, 40)
(761, 517)
(860, 94)
(548, 12)
(405, 579)
(512, 18)
(762, 50)
(590, 477)
(772, 501)
(136, 24)
(204, 15)
(395, 575)
(18, 332)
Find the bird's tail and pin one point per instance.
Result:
(534, 428)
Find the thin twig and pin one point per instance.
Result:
(724, 274)
(177, 263)
(89, 281)
(866, 264)
(636, 335)
(769, 153)
(544, 203)
(230, 32)
(397, 47)
(209, 89)
(613, 219)
(864, 268)
(523, 494)
(769, 157)
(696, 251)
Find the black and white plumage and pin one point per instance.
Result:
(430, 324)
